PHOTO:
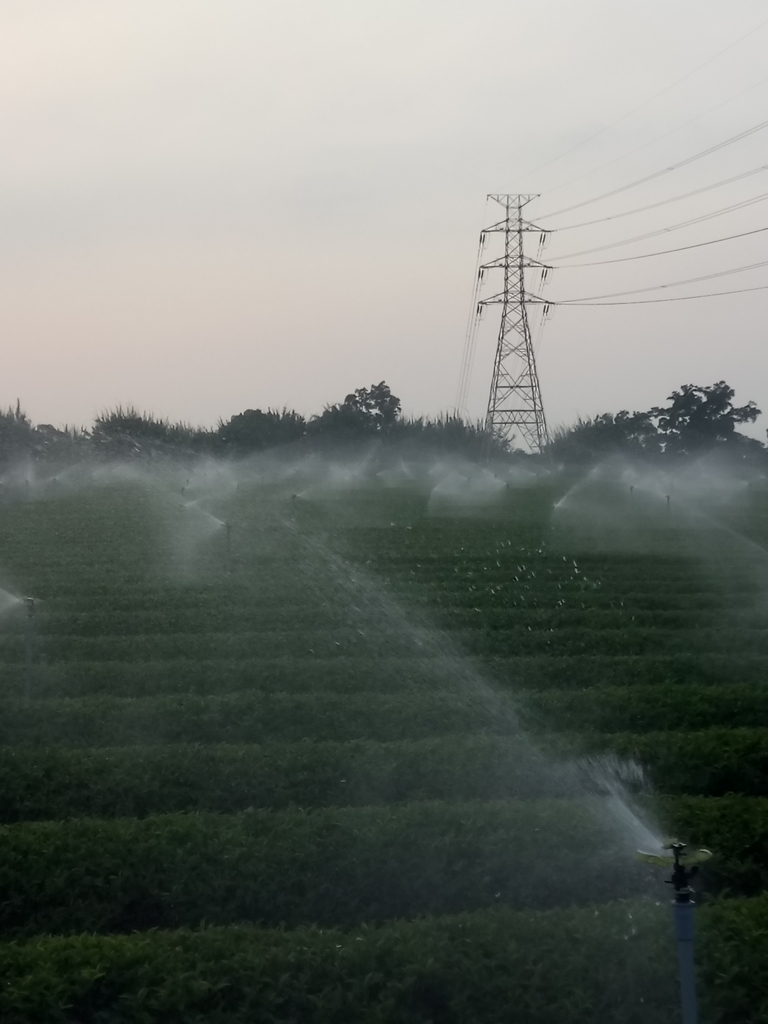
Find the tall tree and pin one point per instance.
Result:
(364, 411)
(699, 418)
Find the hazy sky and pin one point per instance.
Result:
(212, 206)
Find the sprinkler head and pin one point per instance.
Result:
(684, 864)
(30, 606)
(681, 874)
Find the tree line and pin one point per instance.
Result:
(365, 414)
(697, 419)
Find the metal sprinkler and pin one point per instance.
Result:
(685, 866)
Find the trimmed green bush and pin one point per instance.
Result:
(41, 783)
(330, 866)
(641, 708)
(250, 717)
(709, 763)
(615, 965)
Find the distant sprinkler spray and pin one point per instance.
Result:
(685, 866)
(669, 503)
(29, 645)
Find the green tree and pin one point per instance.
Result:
(127, 432)
(16, 433)
(591, 440)
(700, 418)
(364, 411)
(254, 430)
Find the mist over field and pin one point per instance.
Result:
(383, 512)
(366, 688)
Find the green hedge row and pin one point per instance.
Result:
(708, 763)
(377, 642)
(615, 965)
(346, 865)
(256, 716)
(575, 595)
(228, 617)
(532, 613)
(46, 783)
(54, 783)
(263, 644)
(42, 781)
(647, 708)
(249, 717)
(328, 866)
(523, 610)
(387, 674)
(210, 677)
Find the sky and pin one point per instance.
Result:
(207, 207)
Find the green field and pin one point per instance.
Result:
(325, 762)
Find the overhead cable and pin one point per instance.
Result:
(664, 170)
(663, 202)
(661, 252)
(671, 284)
(658, 138)
(650, 99)
(673, 227)
(470, 335)
(670, 298)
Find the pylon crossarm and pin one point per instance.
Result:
(501, 262)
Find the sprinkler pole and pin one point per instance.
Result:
(682, 909)
(684, 868)
(29, 647)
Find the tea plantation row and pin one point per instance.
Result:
(312, 718)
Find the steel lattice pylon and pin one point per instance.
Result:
(514, 402)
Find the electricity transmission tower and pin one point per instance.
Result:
(514, 401)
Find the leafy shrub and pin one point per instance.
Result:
(641, 708)
(329, 866)
(250, 717)
(615, 965)
(709, 763)
(55, 783)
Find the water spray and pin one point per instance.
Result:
(29, 645)
(685, 866)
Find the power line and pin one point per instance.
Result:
(468, 353)
(671, 284)
(673, 227)
(664, 202)
(643, 302)
(659, 138)
(657, 174)
(650, 99)
(661, 252)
